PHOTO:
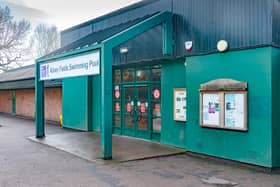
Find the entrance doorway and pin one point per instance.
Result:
(137, 102)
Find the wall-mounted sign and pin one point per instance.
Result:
(117, 94)
(180, 104)
(88, 64)
(156, 94)
(189, 46)
(211, 109)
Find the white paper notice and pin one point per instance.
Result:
(234, 110)
(211, 109)
(180, 105)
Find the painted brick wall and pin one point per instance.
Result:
(6, 101)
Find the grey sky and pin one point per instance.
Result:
(63, 13)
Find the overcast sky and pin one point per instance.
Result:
(63, 13)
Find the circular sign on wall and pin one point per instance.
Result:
(117, 94)
(156, 94)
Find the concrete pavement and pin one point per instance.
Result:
(26, 164)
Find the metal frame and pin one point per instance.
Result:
(165, 19)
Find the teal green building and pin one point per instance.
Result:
(195, 74)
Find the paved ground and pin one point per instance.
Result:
(25, 163)
(87, 146)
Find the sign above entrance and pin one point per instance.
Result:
(88, 64)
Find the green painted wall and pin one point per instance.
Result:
(96, 103)
(75, 103)
(275, 107)
(252, 66)
(173, 76)
(81, 103)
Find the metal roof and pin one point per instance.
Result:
(96, 37)
(22, 73)
(23, 78)
(111, 14)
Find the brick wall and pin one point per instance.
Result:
(6, 101)
(25, 103)
(53, 103)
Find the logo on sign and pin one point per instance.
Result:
(44, 71)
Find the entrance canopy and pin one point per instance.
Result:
(92, 55)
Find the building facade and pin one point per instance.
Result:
(199, 75)
(17, 94)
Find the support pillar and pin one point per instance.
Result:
(39, 104)
(106, 102)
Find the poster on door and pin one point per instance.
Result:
(180, 104)
(211, 109)
(235, 110)
(117, 107)
(128, 107)
(142, 107)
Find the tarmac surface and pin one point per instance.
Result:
(24, 163)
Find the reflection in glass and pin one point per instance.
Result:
(117, 120)
(142, 75)
(156, 74)
(129, 93)
(156, 124)
(117, 76)
(143, 122)
(129, 121)
(143, 93)
(128, 75)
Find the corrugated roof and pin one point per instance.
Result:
(22, 73)
(96, 37)
(23, 78)
(112, 14)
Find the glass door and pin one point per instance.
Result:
(136, 111)
(137, 102)
(129, 114)
(143, 114)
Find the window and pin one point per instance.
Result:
(224, 109)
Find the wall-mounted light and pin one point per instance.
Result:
(222, 45)
(123, 50)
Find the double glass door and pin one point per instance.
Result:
(137, 102)
(136, 111)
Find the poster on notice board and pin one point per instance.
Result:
(211, 109)
(234, 110)
(180, 104)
